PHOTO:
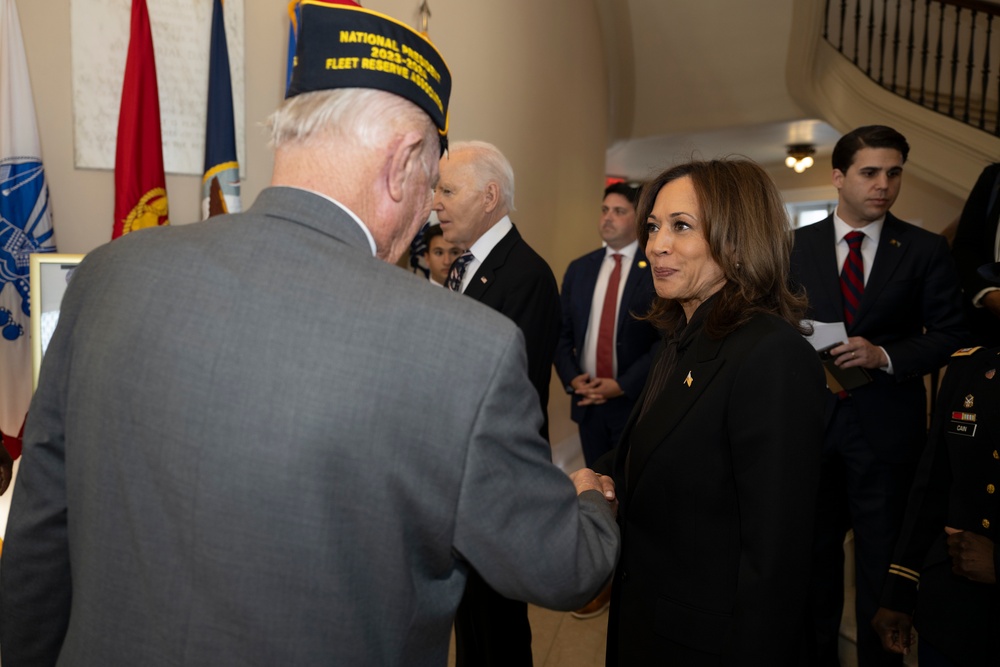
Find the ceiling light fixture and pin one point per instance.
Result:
(800, 157)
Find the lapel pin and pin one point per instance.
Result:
(642, 264)
(689, 380)
(894, 242)
(990, 373)
(483, 279)
(969, 401)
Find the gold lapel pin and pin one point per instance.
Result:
(894, 242)
(689, 380)
(642, 264)
(483, 279)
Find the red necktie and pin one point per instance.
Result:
(606, 332)
(852, 277)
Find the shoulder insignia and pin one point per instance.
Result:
(966, 351)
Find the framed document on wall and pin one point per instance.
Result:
(49, 275)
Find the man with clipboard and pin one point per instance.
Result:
(894, 287)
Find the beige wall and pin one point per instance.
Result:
(528, 76)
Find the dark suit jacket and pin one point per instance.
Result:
(911, 307)
(220, 468)
(974, 245)
(717, 510)
(515, 281)
(635, 341)
(959, 468)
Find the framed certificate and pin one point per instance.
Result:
(49, 275)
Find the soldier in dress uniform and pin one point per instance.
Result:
(943, 579)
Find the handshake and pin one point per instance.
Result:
(586, 479)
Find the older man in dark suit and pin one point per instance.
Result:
(895, 288)
(219, 466)
(472, 201)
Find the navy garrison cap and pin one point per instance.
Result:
(342, 45)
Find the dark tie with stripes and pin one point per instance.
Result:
(852, 277)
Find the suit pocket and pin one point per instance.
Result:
(695, 628)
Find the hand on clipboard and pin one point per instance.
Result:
(840, 378)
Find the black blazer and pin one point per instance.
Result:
(718, 507)
(953, 488)
(635, 341)
(975, 245)
(517, 282)
(911, 307)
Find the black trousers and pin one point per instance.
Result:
(490, 630)
(602, 426)
(866, 492)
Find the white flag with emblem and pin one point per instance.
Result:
(25, 223)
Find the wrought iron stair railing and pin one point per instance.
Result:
(940, 54)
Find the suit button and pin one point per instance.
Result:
(986, 523)
(990, 489)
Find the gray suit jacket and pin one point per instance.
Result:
(232, 458)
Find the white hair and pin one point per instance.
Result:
(490, 165)
(363, 117)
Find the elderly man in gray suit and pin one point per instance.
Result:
(220, 466)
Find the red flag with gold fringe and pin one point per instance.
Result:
(140, 184)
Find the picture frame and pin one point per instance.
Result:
(49, 274)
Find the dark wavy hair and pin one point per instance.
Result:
(625, 190)
(748, 234)
(869, 136)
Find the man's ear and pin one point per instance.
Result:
(838, 178)
(404, 163)
(491, 194)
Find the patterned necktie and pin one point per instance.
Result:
(606, 331)
(457, 271)
(852, 277)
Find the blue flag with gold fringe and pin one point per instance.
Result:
(221, 182)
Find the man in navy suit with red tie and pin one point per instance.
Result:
(604, 352)
(895, 288)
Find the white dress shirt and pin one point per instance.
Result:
(869, 245)
(483, 246)
(589, 360)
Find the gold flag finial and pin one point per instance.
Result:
(425, 17)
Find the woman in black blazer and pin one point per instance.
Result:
(716, 472)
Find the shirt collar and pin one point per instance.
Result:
(364, 228)
(628, 252)
(872, 230)
(484, 244)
